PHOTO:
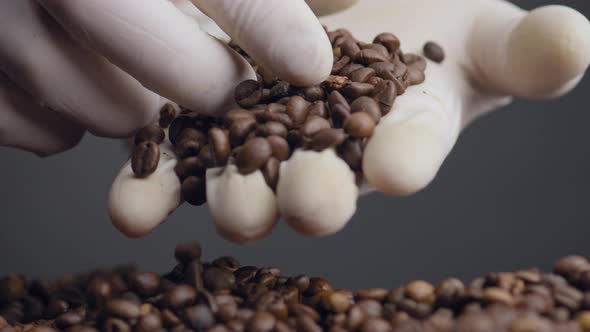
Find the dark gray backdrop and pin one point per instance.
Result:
(513, 194)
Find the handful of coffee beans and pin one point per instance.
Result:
(225, 296)
(276, 118)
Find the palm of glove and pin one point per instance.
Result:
(494, 51)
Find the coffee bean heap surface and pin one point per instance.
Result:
(223, 295)
(276, 118)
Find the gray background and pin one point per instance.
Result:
(513, 194)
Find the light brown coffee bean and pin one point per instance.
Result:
(152, 132)
(369, 56)
(367, 105)
(122, 309)
(362, 75)
(339, 64)
(179, 296)
(385, 94)
(359, 125)
(336, 302)
(420, 291)
(261, 322)
(389, 40)
(270, 171)
(239, 129)
(253, 155)
(347, 70)
(271, 128)
(280, 147)
(336, 98)
(237, 114)
(318, 108)
(355, 90)
(297, 109)
(377, 47)
(145, 159)
(313, 125)
(416, 76)
(221, 147)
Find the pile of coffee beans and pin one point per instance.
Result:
(275, 117)
(222, 295)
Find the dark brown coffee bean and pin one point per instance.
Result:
(449, 292)
(350, 48)
(219, 140)
(245, 274)
(253, 155)
(318, 108)
(420, 291)
(339, 64)
(145, 284)
(313, 93)
(313, 125)
(187, 148)
(199, 317)
(194, 190)
(116, 325)
(475, 323)
(375, 325)
(317, 285)
(377, 294)
(217, 279)
(81, 328)
(415, 61)
(389, 40)
(385, 94)
(356, 317)
(297, 109)
(339, 114)
(568, 297)
(280, 147)
(497, 295)
(351, 152)
(377, 47)
(367, 105)
(280, 90)
(336, 302)
(336, 98)
(191, 134)
(240, 129)
(177, 126)
(122, 309)
(145, 159)
(270, 171)
(328, 138)
(248, 93)
(57, 307)
(179, 296)
(148, 323)
(187, 252)
(571, 266)
(434, 52)
(191, 166)
(307, 324)
(167, 115)
(237, 114)
(301, 282)
(369, 56)
(68, 319)
(169, 318)
(152, 132)
(272, 128)
(261, 322)
(355, 90)
(228, 263)
(36, 329)
(384, 70)
(362, 75)
(359, 125)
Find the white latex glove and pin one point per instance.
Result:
(494, 51)
(104, 65)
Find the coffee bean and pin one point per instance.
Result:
(359, 125)
(313, 125)
(530, 324)
(317, 285)
(116, 325)
(420, 291)
(568, 297)
(179, 296)
(318, 108)
(350, 48)
(377, 294)
(362, 75)
(307, 324)
(217, 279)
(177, 126)
(385, 94)
(384, 70)
(152, 132)
(416, 76)
(248, 93)
(497, 295)
(355, 90)
(351, 152)
(82, 328)
(280, 90)
(148, 323)
(57, 307)
(237, 114)
(187, 148)
(340, 64)
(377, 47)
(389, 40)
(335, 302)
(191, 166)
(415, 61)
(145, 159)
(188, 252)
(449, 292)
(68, 319)
(280, 147)
(220, 144)
(199, 317)
(253, 155)
(369, 56)
(167, 115)
(367, 105)
(169, 318)
(336, 98)
(434, 52)
(475, 323)
(145, 284)
(375, 325)
(261, 322)
(270, 171)
(122, 309)
(328, 138)
(194, 190)
(339, 114)
(272, 128)
(571, 266)
(356, 317)
(313, 93)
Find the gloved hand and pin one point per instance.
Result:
(107, 66)
(494, 51)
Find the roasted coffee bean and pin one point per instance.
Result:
(434, 52)
(313, 125)
(449, 292)
(253, 155)
(317, 285)
(228, 263)
(116, 325)
(122, 309)
(187, 252)
(415, 61)
(280, 90)
(145, 159)
(328, 138)
(339, 64)
(377, 47)
(568, 297)
(359, 125)
(302, 282)
(362, 75)
(261, 322)
(239, 129)
(377, 294)
(318, 108)
(191, 166)
(337, 82)
(167, 115)
(340, 114)
(346, 72)
(219, 140)
(248, 93)
(389, 40)
(384, 70)
(356, 317)
(355, 90)
(68, 319)
(199, 317)
(416, 76)
(350, 48)
(335, 301)
(367, 105)
(385, 94)
(177, 126)
(194, 190)
(217, 279)
(280, 147)
(149, 322)
(152, 132)
(420, 291)
(336, 98)
(571, 266)
(475, 323)
(237, 114)
(187, 148)
(375, 325)
(57, 307)
(179, 296)
(272, 128)
(351, 152)
(145, 284)
(307, 324)
(270, 171)
(369, 56)
(313, 93)
(497, 295)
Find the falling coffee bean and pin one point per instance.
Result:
(145, 159)
(434, 52)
